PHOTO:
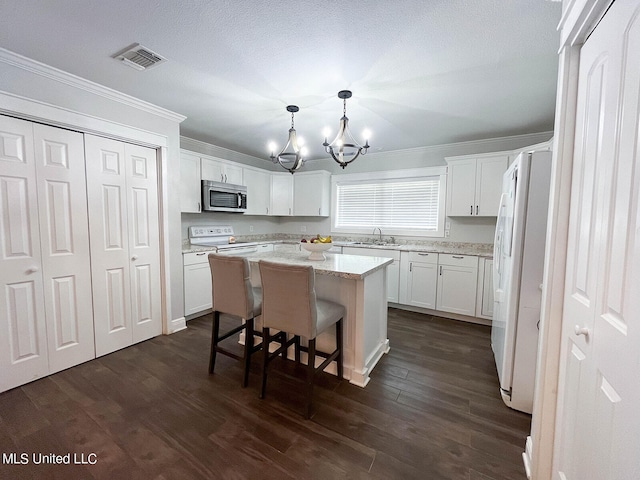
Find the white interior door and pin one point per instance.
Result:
(64, 236)
(23, 343)
(144, 241)
(598, 417)
(125, 242)
(108, 226)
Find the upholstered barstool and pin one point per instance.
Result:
(289, 304)
(234, 295)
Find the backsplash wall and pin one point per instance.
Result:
(468, 230)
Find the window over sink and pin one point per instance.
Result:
(400, 202)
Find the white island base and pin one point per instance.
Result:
(360, 285)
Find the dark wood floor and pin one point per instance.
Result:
(431, 411)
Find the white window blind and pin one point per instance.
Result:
(411, 204)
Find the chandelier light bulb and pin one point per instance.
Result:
(366, 134)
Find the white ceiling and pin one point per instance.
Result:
(422, 72)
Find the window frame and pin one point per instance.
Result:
(371, 177)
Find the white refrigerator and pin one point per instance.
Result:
(518, 259)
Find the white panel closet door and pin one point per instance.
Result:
(144, 241)
(125, 257)
(107, 198)
(599, 396)
(23, 342)
(64, 236)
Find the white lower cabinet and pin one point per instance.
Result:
(420, 272)
(393, 270)
(457, 284)
(484, 300)
(197, 283)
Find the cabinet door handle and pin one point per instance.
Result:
(411, 267)
(201, 253)
(199, 208)
(289, 211)
(476, 209)
(424, 254)
(471, 210)
(318, 211)
(440, 269)
(221, 177)
(457, 256)
(225, 178)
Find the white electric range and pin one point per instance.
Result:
(221, 237)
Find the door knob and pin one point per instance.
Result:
(32, 270)
(581, 330)
(134, 257)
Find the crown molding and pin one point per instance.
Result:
(532, 138)
(33, 66)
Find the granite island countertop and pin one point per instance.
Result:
(344, 266)
(454, 248)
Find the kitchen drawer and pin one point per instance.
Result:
(194, 258)
(424, 257)
(458, 260)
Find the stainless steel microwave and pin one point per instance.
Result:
(223, 197)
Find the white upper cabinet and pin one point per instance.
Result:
(195, 167)
(258, 184)
(312, 194)
(281, 194)
(220, 171)
(190, 192)
(474, 185)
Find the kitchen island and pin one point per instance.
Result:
(359, 284)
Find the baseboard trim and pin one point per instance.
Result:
(526, 456)
(438, 313)
(176, 325)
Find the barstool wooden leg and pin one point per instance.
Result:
(339, 342)
(215, 334)
(297, 349)
(248, 349)
(265, 360)
(311, 370)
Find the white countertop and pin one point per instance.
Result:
(479, 250)
(344, 266)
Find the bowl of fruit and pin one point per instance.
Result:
(317, 246)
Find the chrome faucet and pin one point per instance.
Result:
(379, 230)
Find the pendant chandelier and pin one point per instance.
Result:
(344, 149)
(290, 160)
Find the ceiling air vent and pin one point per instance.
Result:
(139, 57)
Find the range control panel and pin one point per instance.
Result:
(210, 231)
